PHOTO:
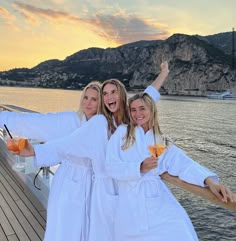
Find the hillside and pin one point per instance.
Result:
(197, 64)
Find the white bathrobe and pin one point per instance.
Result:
(89, 141)
(146, 209)
(71, 186)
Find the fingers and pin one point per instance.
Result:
(15, 152)
(224, 194)
(229, 196)
(148, 164)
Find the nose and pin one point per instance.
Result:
(89, 102)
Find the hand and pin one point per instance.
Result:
(165, 67)
(28, 151)
(148, 164)
(220, 191)
(160, 79)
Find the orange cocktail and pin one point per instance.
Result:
(16, 144)
(156, 150)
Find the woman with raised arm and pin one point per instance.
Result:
(146, 209)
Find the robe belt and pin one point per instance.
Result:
(141, 210)
(85, 162)
(88, 193)
(99, 176)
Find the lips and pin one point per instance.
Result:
(112, 104)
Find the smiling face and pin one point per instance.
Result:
(111, 97)
(140, 114)
(90, 103)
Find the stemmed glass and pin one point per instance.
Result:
(15, 145)
(157, 149)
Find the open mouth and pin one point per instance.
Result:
(112, 104)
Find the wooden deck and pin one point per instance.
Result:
(22, 216)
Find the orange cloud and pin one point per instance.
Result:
(119, 28)
(28, 11)
(6, 16)
(124, 29)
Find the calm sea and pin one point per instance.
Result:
(205, 129)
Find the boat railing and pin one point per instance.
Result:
(203, 192)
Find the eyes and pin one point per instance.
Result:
(111, 93)
(141, 109)
(91, 98)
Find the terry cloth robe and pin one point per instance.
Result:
(88, 141)
(71, 184)
(39, 126)
(146, 209)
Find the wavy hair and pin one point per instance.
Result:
(123, 114)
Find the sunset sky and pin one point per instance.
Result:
(38, 30)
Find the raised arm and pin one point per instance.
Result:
(160, 79)
(153, 89)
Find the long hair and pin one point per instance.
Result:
(153, 122)
(95, 85)
(123, 115)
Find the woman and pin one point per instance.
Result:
(90, 141)
(70, 191)
(115, 109)
(146, 209)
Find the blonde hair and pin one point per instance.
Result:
(95, 85)
(122, 114)
(153, 122)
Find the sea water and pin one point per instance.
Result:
(205, 129)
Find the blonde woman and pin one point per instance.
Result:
(146, 209)
(70, 191)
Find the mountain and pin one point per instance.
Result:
(198, 64)
(222, 41)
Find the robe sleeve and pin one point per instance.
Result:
(153, 92)
(90, 141)
(177, 163)
(116, 166)
(42, 127)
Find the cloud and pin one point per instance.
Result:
(6, 15)
(123, 29)
(31, 13)
(8, 18)
(118, 27)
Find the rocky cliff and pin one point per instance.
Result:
(196, 66)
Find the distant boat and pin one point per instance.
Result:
(226, 95)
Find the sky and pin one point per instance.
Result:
(38, 30)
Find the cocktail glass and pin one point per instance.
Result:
(16, 145)
(156, 150)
